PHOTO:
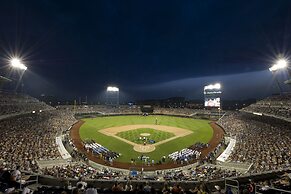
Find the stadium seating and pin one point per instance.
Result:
(12, 103)
(277, 106)
(27, 138)
(263, 142)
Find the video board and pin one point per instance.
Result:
(212, 102)
(212, 94)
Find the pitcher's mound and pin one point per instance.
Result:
(144, 148)
(145, 134)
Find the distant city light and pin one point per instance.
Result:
(281, 64)
(112, 89)
(16, 63)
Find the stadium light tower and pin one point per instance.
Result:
(112, 89)
(16, 63)
(112, 96)
(280, 64)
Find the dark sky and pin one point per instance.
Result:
(150, 49)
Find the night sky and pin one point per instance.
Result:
(150, 49)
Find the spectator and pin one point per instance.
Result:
(91, 190)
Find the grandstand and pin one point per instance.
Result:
(278, 106)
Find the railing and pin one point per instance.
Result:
(260, 190)
(33, 179)
(232, 185)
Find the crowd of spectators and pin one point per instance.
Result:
(26, 139)
(130, 188)
(277, 106)
(81, 170)
(31, 137)
(101, 109)
(11, 103)
(125, 109)
(199, 146)
(260, 141)
(280, 182)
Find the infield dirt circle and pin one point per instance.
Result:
(178, 132)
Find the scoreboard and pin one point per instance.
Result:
(212, 95)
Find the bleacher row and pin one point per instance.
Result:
(124, 109)
(276, 106)
(11, 103)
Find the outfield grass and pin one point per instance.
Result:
(134, 135)
(202, 132)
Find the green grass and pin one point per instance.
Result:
(202, 132)
(134, 135)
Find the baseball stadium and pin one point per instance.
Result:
(105, 144)
(152, 128)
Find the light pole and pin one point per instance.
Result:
(17, 64)
(280, 64)
(112, 96)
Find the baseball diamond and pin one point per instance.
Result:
(172, 134)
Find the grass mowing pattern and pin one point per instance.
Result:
(156, 135)
(202, 132)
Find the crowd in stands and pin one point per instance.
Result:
(199, 146)
(79, 170)
(31, 137)
(11, 103)
(174, 111)
(280, 182)
(277, 106)
(261, 141)
(125, 109)
(26, 139)
(101, 109)
(202, 172)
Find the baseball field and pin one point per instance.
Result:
(153, 136)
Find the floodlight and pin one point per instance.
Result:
(16, 63)
(281, 64)
(112, 89)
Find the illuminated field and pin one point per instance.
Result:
(199, 131)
